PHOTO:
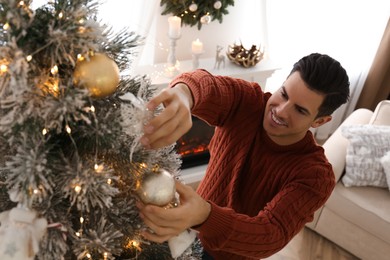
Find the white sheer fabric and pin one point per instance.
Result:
(137, 15)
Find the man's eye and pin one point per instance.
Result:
(301, 111)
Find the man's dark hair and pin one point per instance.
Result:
(326, 76)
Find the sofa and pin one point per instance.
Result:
(356, 217)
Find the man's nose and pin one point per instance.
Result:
(282, 110)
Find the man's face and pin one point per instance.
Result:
(292, 110)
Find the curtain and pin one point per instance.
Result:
(136, 16)
(377, 84)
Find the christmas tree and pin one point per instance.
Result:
(70, 120)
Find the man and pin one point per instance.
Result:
(266, 175)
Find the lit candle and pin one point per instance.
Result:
(197, 47)
(174, 26)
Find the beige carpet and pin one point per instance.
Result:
(308, 245)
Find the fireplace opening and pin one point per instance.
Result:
(193, 146)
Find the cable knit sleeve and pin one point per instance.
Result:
(218, 98)
(274, 226)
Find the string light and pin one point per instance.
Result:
(6, 26)
(80, 57)
(98, 168)
(105, 255)
(68, 129)
(29, 58)
(21, 3)
(44, 131)
(133, 244)
(82, 29)
(54, 70)
(3, 68)
(77, 188)
(61, 15)
(78, 234)
(81, 220)
(92, 109)
(88, 255)
(109, 181)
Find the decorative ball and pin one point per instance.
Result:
(205, 19)
(157, 188)
(217, 5)
(99, 74)
(193, 7)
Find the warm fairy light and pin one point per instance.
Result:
(143, 165)
(3, 68)
(29, 58)
(54, 70)
(21, 3)
(77, 188)
(81, 21)
(68, 130)
(133, 244)
(61, 15)
(82, 29)
(109, 181)
(44, 131)
(78, 234)
(6, 26)
(105, 255)
(80, 57)
(35, 191)
(81, 220)
(98, 168)
(92, 109)
(88, 255)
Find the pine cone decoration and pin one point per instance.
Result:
(243, 57)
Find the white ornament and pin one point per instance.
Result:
(217, 5)
(20, 234)
(205, 19)
(193, 7)
(157, 188)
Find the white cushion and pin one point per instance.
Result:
(368, 144)
(385, 160)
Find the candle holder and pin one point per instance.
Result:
(172, 69)
(195, 59)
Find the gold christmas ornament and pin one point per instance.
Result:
(157, 188)
(99, 74)
(243, 57)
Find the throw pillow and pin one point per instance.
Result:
(385, 160)
(368, 144)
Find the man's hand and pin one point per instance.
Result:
(173, 122)
(166, 223)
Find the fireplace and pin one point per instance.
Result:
(193, 146)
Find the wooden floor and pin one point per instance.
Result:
(308, 245)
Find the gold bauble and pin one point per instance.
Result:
(99, 74)
(157, 188)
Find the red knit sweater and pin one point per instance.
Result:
(261, 193)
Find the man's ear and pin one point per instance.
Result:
(320, 121)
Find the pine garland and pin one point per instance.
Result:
(197, 12)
